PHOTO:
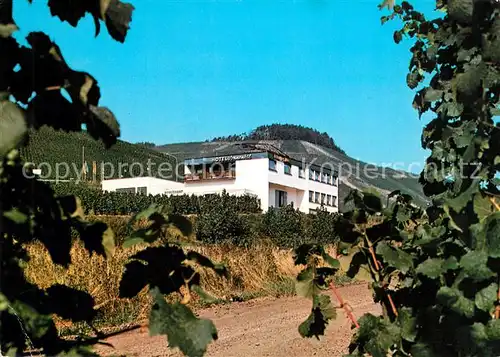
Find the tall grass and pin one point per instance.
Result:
(260, 270)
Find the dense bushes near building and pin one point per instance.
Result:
(284, 227)
(95, 201)
(289, 228)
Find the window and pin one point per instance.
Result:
(126, 190)
(288, 169)
(328, 178)
(328, 200)
(316, 176)
(334, 180)
(311, 196)
(334, 201)
(302, 174)
(312, 211)
(272, 165)
(311, 174)
(142, 190)
(281, 198)
(323, 199)
(316, 197)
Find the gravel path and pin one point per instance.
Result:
(265, 327)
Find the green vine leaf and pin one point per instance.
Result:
(306, 285)
(13, 128)
(431, 268)
(456, 301)
(183, 329)
(474, 265)
(322, 312)
(482, 206)
(408, 324)
(486, 298)
(395, 257)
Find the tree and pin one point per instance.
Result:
(32, 83)
(436, 271)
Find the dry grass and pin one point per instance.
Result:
(256, 271)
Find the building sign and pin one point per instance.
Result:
(279, 158)
(232, 158)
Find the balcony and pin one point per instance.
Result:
(210, 176)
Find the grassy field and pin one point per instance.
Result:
(262, 270)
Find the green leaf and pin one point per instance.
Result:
(16, 216)
(486, 298)
(378, 334)
(395, 257)
(13, 127)
(102, 124)
(482, 206)
(118, 17)
(306, 285)
(183, 329)
(432, 268)
(493, 330)
(432, 95)
(459, 202)
(408, 324)
(322, 312)
(492, 234)
(461, 10)
(474, 265)
(372, 201)
(456, 301)
(334, 263)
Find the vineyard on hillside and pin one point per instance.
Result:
(47, 145)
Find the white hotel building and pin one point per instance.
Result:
(275, 178)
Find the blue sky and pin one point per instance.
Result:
(192, 70)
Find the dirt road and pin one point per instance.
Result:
(258, 328)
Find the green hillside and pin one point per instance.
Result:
(50, 149)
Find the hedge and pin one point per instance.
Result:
(285, 227)
(95, 201)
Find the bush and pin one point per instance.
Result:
(96, 201)
(285, 226)
(320, 227)
(219, 222)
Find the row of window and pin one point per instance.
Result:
(322, 177)
(322, 199)
(314, 175)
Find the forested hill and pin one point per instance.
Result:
(285, 132)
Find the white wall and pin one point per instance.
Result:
(154, 185)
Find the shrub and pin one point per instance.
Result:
(219, 222)
(96, 201)
(284, 226)
(320, 227)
